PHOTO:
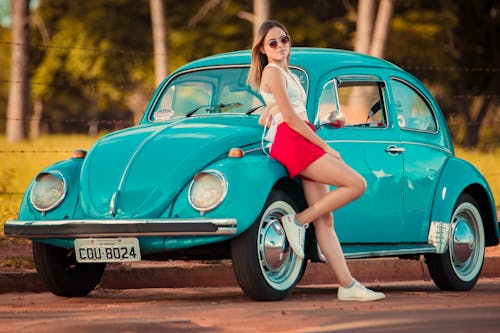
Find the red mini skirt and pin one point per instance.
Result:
(293, 150)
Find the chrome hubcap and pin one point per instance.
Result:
(467, 241)
(463, 242)
(275, 246)
(279, 265)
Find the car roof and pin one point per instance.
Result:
(321, 59)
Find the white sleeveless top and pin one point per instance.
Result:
(297, 96)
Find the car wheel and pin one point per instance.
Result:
(62, 274)
(459, 267)
(264, 264)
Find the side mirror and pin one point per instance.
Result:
(334, 119)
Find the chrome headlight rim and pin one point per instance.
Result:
(223, 182)
(58, 201)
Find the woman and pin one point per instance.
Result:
(306, 155)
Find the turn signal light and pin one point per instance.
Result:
(78, 153)
(236, 153)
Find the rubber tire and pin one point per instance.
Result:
(62, 274)
(441, 267)
(245, 259)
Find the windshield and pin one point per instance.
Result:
(209, 91)
(206, 92)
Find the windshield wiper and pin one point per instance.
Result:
(358, 125)
(250, 111)
(214, 107)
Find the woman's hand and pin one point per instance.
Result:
(330, 151)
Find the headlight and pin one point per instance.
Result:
(207, 190)
(48, 191)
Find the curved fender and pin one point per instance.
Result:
(250, 180)
(458, 175)
(70, 169)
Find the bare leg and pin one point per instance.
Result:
(329, 170)
(325, 233)
(349, 186)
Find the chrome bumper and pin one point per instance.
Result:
(119, 228)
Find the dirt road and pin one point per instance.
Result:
(409, 307)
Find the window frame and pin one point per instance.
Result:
(358, 80)
(425, 100)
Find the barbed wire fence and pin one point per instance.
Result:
(13, 198)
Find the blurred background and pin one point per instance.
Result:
(73, 70)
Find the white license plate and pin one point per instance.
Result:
(107, 249)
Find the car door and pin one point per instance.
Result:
(369, 143)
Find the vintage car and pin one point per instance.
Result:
(194, 181)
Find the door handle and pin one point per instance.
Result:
(394, 150)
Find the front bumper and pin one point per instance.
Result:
(117, 228)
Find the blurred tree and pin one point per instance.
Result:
(18, 102)
(261, 13)
(5, 54)
(94, 61)
(372, 34)
(159, 39)
(382, 28)
(364, 26)
(473, 41)
(452, 46)
(95, 57)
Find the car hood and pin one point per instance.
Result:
(137, 172)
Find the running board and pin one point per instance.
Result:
(355, 251)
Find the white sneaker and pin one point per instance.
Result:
(358, 292)
(295, 234)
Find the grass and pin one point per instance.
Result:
(22, 161)
(18, 262)
(487, 163)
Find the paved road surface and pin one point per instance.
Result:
(409, 307)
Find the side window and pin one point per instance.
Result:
(412, 110)
(361, 103)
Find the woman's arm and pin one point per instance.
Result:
(275, 82)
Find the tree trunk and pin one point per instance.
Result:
(18, 103)
(159, 39)
(262, 12)
(36, 119)
(364, 26)
(473, 127)
(382, 27)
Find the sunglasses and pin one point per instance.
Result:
(273, 43)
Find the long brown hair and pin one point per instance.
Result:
(259, 59)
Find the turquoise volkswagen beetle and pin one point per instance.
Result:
(193, 180)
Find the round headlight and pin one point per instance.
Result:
(207, 190)
(48, 191)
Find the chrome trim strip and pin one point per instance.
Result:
(218, 222)
(426, 145)
(119, 227)
(389, 253)
(392, 142)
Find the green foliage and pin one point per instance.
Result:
(100, 54)
(92, 61)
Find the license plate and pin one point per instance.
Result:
(107, 249)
